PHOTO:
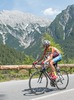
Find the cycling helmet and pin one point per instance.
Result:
(46, 43)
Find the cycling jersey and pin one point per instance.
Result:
(49, 51)
(56, 54)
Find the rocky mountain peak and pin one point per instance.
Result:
(21, 27)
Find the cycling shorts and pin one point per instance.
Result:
(58, 58)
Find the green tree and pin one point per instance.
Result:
(28, 60)
(10, 56)
(46, 36)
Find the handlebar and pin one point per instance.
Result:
(36, 67)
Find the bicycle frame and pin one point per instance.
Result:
(42, 76)
(44, 70)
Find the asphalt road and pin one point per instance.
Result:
(19, 90)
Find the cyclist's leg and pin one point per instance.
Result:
(54, 76)
(54, 60)
(50, 62)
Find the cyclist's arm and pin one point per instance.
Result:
(44, 53)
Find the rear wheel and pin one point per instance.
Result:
(38, 82)
(62, 80)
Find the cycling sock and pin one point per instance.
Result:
(54, 73)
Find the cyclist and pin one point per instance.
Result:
(52, 55)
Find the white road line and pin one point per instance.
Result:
(63, 91)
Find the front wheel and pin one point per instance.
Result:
(62, 80)
(38, 82)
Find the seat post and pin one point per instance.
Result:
(55, 65)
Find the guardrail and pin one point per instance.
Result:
(6, 67)
(29, 67)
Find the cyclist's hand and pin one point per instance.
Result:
(34, 63)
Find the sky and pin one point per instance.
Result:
(43, 8)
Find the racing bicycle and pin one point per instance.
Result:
(38, 81)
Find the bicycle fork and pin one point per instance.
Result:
(40, 78)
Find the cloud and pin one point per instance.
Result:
(50, 11)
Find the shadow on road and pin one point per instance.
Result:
(28, 92)
(2, 97)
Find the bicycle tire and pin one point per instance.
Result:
(38, 82)
(62, 80)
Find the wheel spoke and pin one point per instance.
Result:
(62, 80)
(38, 82)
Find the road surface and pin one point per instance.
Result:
(19, 90)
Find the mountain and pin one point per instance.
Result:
(20, 30)
(24, 31)
(62, 29)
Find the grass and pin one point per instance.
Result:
(7, 75)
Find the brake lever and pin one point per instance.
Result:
(34, 66)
